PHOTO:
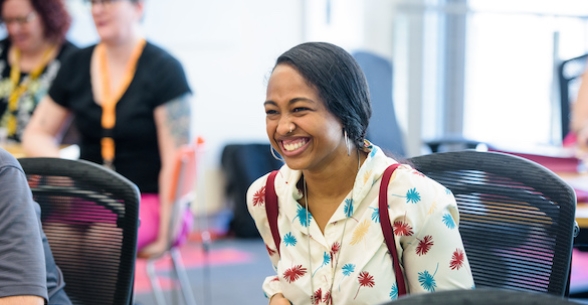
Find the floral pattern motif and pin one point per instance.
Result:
(29, 100)
(424, 218)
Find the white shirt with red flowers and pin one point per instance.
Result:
(350, 262)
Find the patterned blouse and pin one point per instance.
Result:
(350, 262)
(36, 89)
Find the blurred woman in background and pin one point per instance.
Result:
(30, 57)
(131, 101)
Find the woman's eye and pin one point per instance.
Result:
(270, 112)
(299, 109)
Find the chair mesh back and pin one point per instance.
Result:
(516, 218)
(488, 296)
(90, 217)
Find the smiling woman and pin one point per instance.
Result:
(325, 241)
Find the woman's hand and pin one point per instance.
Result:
(279, 299)
(154, 249)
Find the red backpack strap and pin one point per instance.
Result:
(271, 208)
(387, 227)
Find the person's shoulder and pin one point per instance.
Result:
(158, 55)
(68, 47)
(76, 56)
(8, 160)
(258, 187)
(5, 42)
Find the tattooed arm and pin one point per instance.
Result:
(173, 120)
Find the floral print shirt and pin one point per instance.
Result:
(350, 262)
(36, 88)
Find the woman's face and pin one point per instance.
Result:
(115, 19)
(23, 24)
(317, 138)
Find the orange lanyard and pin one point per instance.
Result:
(19, 89)
(109, 100)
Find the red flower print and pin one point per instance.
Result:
(327, 299)
(259, 196)
(334, 250)
(275, 279)
(457, 259)
(294, 273)
(418, 173)
(316, 297)
(365, 279)
(402, 228)
(424, 245)
(269, 250)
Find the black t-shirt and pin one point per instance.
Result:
(159, 78)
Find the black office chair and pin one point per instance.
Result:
(516, 218)
(242, 164)
(488, 296)
(569, 76)
(383, 128)
(90, 215)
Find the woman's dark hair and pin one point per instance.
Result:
(54, 17)
(339, 80)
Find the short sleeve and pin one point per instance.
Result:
(22, 263)
(73, 75)
(171, 81)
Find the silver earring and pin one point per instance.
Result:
(347, 143)
(291, 129)
(275, 154)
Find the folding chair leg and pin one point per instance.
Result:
(155, 287)
(182, 277)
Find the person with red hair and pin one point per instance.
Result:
(30, 57)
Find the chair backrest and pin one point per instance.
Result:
(383, 128)
(183, 183)
(488, 296)
(90, 215)
(516, 218)
(569, 76)
(242, 164)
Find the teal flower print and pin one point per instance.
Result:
(302, 216)
(347, 269)
(448, 221)
(412, 196)
(326, 261)
(427, 280)
(394, 292)
(376, 215)
(289, 239)
(447, 191)
(348, 208)
(373, 153)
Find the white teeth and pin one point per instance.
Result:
(294, 146)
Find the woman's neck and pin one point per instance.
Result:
(31, 58)
(120, 51)
(335, 180)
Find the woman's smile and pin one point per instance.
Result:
(294, 146)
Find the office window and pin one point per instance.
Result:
(512, 48)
